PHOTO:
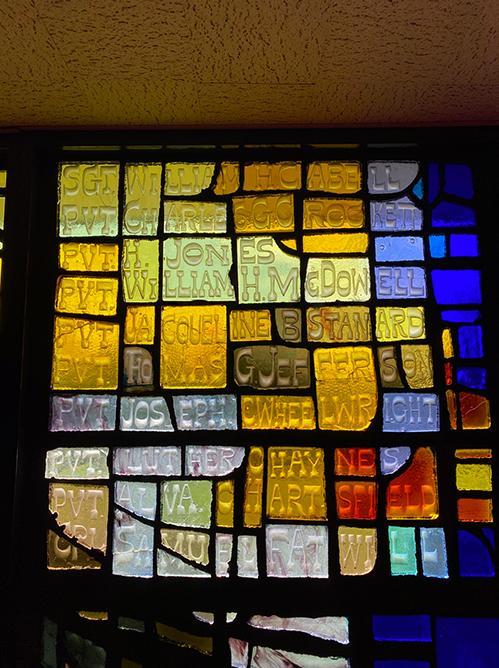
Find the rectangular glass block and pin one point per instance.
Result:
(402, 628)
(133, 545)
(186, 503)
(358, 549)
(460, 315)
(283, 561)
(153, 460)
(144, 414)
(322, 214)
(76, 256)
(250, 325)
(272, 367)
(247, 557)
(476, 477)
(214, 412)
(474, 510)
(396, 323)
(142, 197)
(335, 243)
(402, 541)
(140, 325)
(474, 377)
(463, 245)
(339, 324)
(140, 270)
(395, 249)
(82, 511)
(212, 460)
(263, 214)
(83, 412)
(77, 463)
(438, 245)
(400, 282)
(433, 552)
(408, 412)
(191, 217)
(457, 286)
(334, 177)
(277, 412)
(86, 295)
(399, 215)
(341, 279)
(272, 176)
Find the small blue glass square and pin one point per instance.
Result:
(463, 245)
(437, 245)
(470, 342)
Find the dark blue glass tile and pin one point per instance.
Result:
(458, 315)
(437, 245)
(448, 214)
(457, 286)
(458, 181)
(467, 642)
(410, 628)
(470, 341)
(471, 376)
(474, 557)
(400, 663)
(463, 245)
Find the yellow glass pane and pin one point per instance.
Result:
(140, 325)
(3, 178)
(193, 347)
(82, 511)
(347, 395)
(88, 199)
(476, 477)
(277, 412)
(272, 176)
(337, 279)
(142, 197)
(397, 323)
(2, 212)
(140, 270)
(335, 243)
(74, 256)
(289, 243)
(473, 453)
(447, 344)
(86, 295)
(190, 217)
(188, 178)
(339, 324)
(63, 555)
(253, 488)
(228, 179)
(321, 214)
(418, 366)
(265, 213)
(295, 484)
(334, 177)
(250, 325)
(357, 550)
(225, 503)
(85, 355)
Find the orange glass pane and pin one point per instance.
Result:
(355, 461)
(414, 494)
(448, 373)
(450, 397)
(474, 453)
(356, 500)
(474, 510)
(475, 411)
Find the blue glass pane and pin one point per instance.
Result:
(463, 245)
(400, 663)
(474, 557)
(448, 214)
(398, 248)
(467, 642)
(470, 341)
(411, 628)
(437, 245)
(400, 282)
(470, 376)
(489, 535)
(418, 189)
(458, 181)
(458, 315)
(457, 286)
(433, 181)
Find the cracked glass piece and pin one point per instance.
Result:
(347, 394)
(277, 412)
(433, 552)
(450, 214)
(63, 555)
(400, 282)
(192, 545)
(356, 500)
(355, 462)
(265, 272)
(197, 268)
(137, 367)
(140, 325)
(392, 459)
(410, 412)
(474, 510)
(390, 177)
(225, 503)
(296, 487)
(140, 270)
(214, 412)
(83, 412)
(475, 411)
(331, 214)
(186, 503)
(358, 548)
(288, 322)
(81, 510)
(227, 179)
(253, 488)
(188, 178)
(402, 541)
(263, 214)
(212, 460)
(153, 460)
(418, 366)
(145, 414)
(266, 657)
(457, 286)
(191, 217)
(342, 178)
(337, 280)
(223, 554)
(250, 325)
(85, 354)
(272, 176)
(297, 550)
(171, 566)
(77, 463)
(388, 368)
(137, 497)
(247, 557)
(353, 242)
(327, 628)
(88, 199)
(272, 367)
(133, 545)
(142, 199)
(76, 256)
(476, 477)
(402, 248)
(413, 494)
(193, 347)
(399, 215)
(238, 653)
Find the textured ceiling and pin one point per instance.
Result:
(248, 62)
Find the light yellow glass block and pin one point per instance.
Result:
(250, 325)
(140, 270)
(358, 550)
(3, 178)
(321, 214)
(88, 199)
(140, 325)
(74, 256)
(277, 412)
(188, 178)
(397, 323)
(477, 477)
(191, 217)
(225, 503)
(347, 395)
(86, 295)
(228, 179)
(264, 213)
(253, 488)
(85, 355)
(335, 243)
(296, 487)
(2, 213)
(289, 243)
(337, 280)
(142, 197)
(272, 176)
(193, 347)
(418, 366)
(334, 177)
(447, 344)
(82, 510)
